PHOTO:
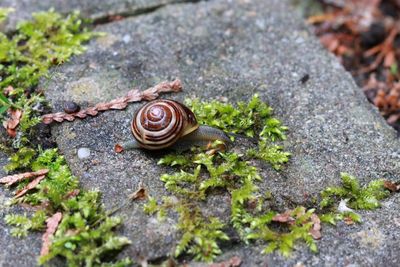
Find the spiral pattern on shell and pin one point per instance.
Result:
(160, 123)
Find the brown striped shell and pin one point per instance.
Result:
(160, 123)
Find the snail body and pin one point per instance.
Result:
(164, 123)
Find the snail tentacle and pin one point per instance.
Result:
(129, 145)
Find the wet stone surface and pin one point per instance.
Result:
(232, 49)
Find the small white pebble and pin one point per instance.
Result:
(83, 152)
(126, 39)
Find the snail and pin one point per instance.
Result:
(167, 123)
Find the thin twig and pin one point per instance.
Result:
(118, 103)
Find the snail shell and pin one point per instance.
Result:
(160, 123)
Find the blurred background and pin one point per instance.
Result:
(364, 35)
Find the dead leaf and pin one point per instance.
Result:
(390, 59)
(118, 148)
(315, 230)
(235, 261)
(8, 90)
(30, 186)
(12, 133)
(72, 194)
(320, 18)
(15, 117)
(393, 118)
(139, 194)
(13, 121)
(284, 217)
(52, 225)
(12, 179)
(392, 187)
(347, 220)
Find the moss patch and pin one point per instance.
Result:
(26, 56)
(200, 172)
(85, 234)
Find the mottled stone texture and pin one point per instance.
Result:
(233, 49)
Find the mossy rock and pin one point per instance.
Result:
(233, 50)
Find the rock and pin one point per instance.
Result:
(97, 10)
(232, 49)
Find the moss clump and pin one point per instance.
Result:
(252, 119)
(354, 196)
(298, 229)
(21, 159)
(366, 198)
(26, 56)
(201, 172)
(85, 234)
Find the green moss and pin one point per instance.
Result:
(366, 198)
(250, 119)
(22, 223)
(26, 56)
(355, 197)
(21, 159)
(284, 240)
(270, 153)
(201, 234)
(85, 234)
(200, 173)
(4, 13)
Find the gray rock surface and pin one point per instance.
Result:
(233, 49)
(93, 9)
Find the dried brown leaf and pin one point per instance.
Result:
(392, 187)
(8, 90)
(52, 225)
(321, 18)
(13, 121)
(30, 186)
(315, 230)
(12, 179)
(284, 217)
(348, 220)
(139, 194)
(72, 194)
(12, 133)
(15, 115)
(393, 118)
(390, 59)
(118, 148)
